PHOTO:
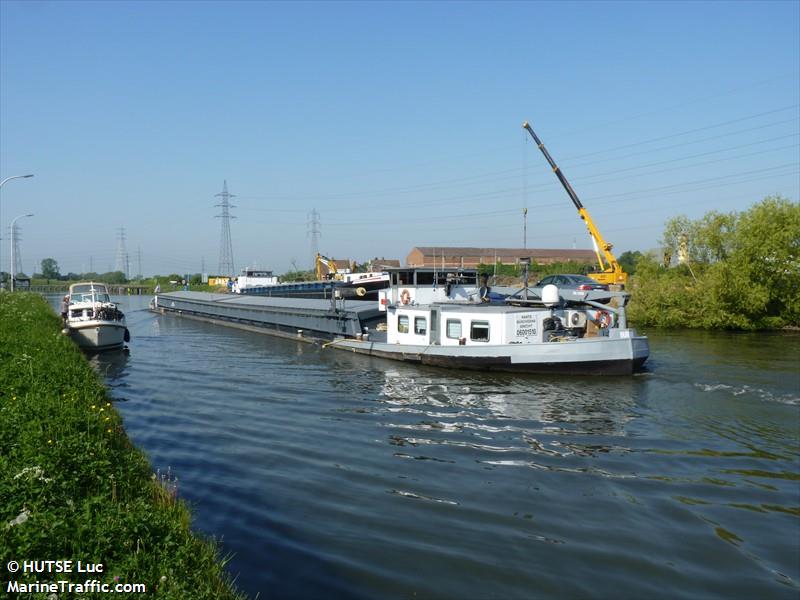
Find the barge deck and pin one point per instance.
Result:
(314, 319)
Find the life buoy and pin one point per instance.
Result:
(603, 319)
(405, 297)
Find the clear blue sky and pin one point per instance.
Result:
(399, 122)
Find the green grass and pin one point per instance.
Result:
(67, 464)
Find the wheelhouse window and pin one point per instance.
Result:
(424, 278)
(454, 329)
(479, 331)
(420, 325)
(402, 324)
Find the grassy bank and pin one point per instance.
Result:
(72, 486)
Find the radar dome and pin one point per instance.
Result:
(550, 295)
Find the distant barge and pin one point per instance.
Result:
(442, 320)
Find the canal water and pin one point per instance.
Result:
(332, 475)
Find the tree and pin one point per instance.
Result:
(50, 268)
(113, 277)
(746, 272)
(628, 260)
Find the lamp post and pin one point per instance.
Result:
(13, 222)
(2, 183)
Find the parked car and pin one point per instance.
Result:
(582, 283)
(573, 287)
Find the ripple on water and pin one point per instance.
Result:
(334, 475)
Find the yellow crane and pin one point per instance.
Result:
(329, 264)
(610, 270)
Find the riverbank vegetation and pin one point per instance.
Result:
(725, 270)
(72, 486)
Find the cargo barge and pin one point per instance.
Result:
(442, 320)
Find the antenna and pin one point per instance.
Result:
(225, 245)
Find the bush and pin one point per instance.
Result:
(72, 487)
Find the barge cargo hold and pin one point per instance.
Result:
(284, 317)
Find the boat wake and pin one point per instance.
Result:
(750, 391)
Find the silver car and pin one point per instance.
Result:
(581, 283)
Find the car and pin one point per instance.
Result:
(574, 287)
(581, 283)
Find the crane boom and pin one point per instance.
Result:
(329, 264)
(610, 270)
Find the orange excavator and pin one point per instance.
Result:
(611, 272)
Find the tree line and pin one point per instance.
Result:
(734, 270)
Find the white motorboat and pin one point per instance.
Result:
(92, 319)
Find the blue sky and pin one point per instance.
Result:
(400, 123)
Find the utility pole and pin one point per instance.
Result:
(225, 245)
(91, 264)
(315, 233)
(139, 258)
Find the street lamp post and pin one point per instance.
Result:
(13, 222)
(2, 183)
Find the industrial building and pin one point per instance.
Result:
(467, 257)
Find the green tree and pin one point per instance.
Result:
(113, 277)
(767, 255)
(745, 271)
(50, 268)
(628, 260)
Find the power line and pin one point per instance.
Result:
(688, 131)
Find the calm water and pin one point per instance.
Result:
(333, 475)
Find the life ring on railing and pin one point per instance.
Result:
(405, 297)
(603, 319)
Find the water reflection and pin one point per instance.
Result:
(111, 364)
(524, 417)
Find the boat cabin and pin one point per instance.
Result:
(251, 278)
(426, 285)
(483, 324)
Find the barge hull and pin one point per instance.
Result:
(622, 365)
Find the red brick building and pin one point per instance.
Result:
(467, 257)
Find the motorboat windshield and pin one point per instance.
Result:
(88, 292)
